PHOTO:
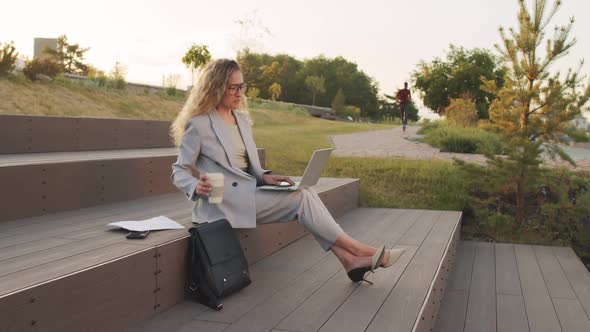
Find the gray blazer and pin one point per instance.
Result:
(207, 147)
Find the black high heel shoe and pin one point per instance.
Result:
(358, 274)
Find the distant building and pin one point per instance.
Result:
(41, 44)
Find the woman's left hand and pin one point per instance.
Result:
(275, 180)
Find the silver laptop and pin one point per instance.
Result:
(312, 172)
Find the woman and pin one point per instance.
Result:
(214, 136)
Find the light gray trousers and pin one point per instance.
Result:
(304, 205)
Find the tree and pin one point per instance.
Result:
(253, 92)
(315, 84)
(462, 111)
(196, 57)
(275, 91)
(261, 70)
(533, 107)
(8, 57)
(462, 72)
(339, 101)
(69, 56)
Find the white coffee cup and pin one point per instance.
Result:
(216, 180)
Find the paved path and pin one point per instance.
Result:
(395, 143)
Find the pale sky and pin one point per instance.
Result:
(385, 38)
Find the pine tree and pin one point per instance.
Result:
(8, 57)
(70, 56)
(533, 107)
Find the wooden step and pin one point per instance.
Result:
(35, 184)
(69, 271)
(303, 288)
(516, 287)
(56, 134)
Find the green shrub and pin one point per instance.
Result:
(171, 91)
(428, 126)
(462, 112)
(119, 84)
(578, 135)
(450, 138)
(98, 77)
(47, 66)
(557, 208)
(8, 57)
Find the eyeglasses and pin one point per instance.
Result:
(235, 88)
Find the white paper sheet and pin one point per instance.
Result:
(152, 224)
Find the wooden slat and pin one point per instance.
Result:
(460, 278)
(59, 236)
(172, 269)
(107, 298)
(429, 311)
(56, 269)
(481, 310)
(318, 307)
(36, 232)
(172, 320)
(571, 315)
(277, 271)
(24, 262)
(400, 310)
(507, 279)
(356, 313)
(202, 326)
(32, 247)
(555, 279)
(96, 182)
(451, 317)
(272, 311)
(511, 313)
(59, 226)
(576, 273)
(74, 216)
(78, 302)
(358, 310)
(539, 308)
(82, 156)
(48, 133)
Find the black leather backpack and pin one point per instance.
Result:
(217, 265)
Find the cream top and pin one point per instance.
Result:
(241, 158)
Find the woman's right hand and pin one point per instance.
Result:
(204, 186)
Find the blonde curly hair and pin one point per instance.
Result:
(206, 95)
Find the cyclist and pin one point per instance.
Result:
(403, 98)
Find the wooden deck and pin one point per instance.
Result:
(303, 288)
(512, 287)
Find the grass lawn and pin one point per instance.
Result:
(290, 138)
